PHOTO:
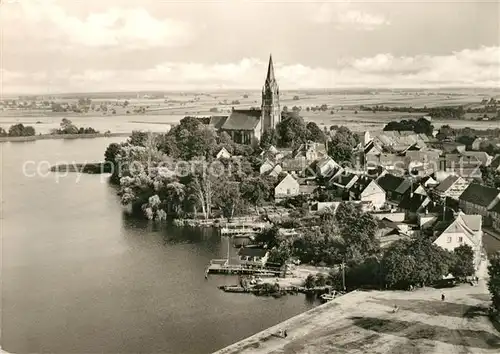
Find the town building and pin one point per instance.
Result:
(452, 187)
(465, 229)
(479, 199)
(288, 187)
(223, 154)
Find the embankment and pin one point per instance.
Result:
(60, 136)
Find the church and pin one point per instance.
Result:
(246, 126)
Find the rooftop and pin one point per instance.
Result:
(479, 194)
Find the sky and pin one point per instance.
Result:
(55, 46)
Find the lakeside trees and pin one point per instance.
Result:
(67, 127)
(18, 130)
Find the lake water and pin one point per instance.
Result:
(80, 277)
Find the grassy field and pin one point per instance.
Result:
(364, 322)
(344, 106)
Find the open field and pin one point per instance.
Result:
(363, 322)
(162, 112)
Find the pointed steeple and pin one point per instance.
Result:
(270, 69)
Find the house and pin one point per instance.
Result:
(389, 231)
(464, 229)
(368, 190)
(394, 186)
(413, 204)
(452, 187)
(266, 166)
(327, 167)
(223, 154)
(429, 182)
(286, 188)
(311, 151)
(297, 167)
(467, 167)
(253, 256)
(479, 199)
(344, 181)
(322, 206)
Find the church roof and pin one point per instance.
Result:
(270, 69)
(242, 119)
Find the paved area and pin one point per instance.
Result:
(364, 322)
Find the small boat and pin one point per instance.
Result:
(327, 297)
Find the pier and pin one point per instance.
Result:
(223, 267)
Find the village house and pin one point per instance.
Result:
(253, 256)
(223, 154)
(344, 181)
(327, 167)
(413, 204)
(288, 187)
(452, 187)
(389, 231)
(395, 187)
(465, 229)
(429, 182)
(367, 190)
(479, 199)
(467, 167)
(310, 151)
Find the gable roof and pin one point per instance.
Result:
(287, 178)
(466, 224)
(242, 120)
(404, 186)
(447, 183)
(390, 183)
(414, 202)
(479, 195)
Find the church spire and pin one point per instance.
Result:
(270, 69)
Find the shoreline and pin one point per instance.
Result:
(60, 136)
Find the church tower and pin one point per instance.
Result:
(271, 113)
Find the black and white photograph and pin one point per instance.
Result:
(249, 176)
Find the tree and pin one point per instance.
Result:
(358, 231)
(315, 133)
(463, 262)
(269, 238)
(341, 146)
(291, 130)
(3, 132)
(21, 130)
(228, 198)
(201, 191)
(268, 138)
(138, 138)
(494, 280)
(310, 281)
(257, 190)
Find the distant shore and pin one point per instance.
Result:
(60, 136)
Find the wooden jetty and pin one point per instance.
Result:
(222, 266)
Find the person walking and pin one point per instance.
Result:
(442, 297)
